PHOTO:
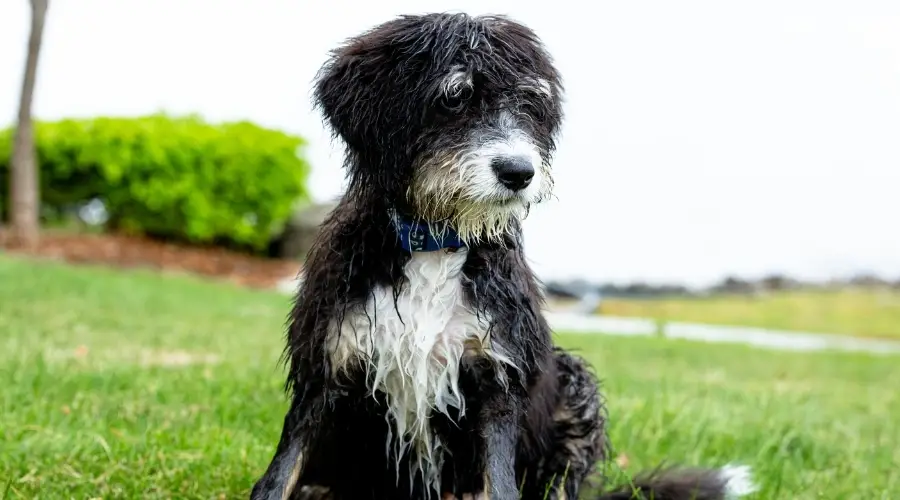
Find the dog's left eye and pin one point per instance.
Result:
(457, 102)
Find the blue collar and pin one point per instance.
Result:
(420, 236)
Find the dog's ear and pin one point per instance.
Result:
(360, 90)
(344, 92)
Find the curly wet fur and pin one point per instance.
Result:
(413, 377)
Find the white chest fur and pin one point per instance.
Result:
(412, 349)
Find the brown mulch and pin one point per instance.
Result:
(130, 251)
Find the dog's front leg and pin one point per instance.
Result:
(500, 418)
(286, 467)
(281, 477)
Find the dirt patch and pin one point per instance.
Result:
(175, 358)
(129, 251)
(134, 356)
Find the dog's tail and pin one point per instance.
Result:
(730, 482)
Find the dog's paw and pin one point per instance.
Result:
(466, 496)
(312, 492)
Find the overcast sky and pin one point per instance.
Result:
(702, 137)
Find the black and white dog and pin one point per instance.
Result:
(420, 365)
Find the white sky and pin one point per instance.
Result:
(702, 137)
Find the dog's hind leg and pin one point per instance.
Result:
(577, 438)
(579, 442)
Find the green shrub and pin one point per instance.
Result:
(173, 177)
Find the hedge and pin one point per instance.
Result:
(178, 178)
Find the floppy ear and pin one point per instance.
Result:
(358, 89)
(345, 94)
(355, 93)
(363, 91)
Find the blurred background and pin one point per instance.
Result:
(727, 171)
(703, 138)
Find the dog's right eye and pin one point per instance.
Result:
(457, 102)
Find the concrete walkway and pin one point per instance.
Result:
(759, 337)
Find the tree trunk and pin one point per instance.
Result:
(25, 200)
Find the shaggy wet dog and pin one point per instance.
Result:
(420, 364)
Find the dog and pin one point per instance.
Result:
(420, 364)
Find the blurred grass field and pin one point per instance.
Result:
(132, 384)
(852, 311)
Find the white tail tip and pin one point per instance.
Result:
(738, 481)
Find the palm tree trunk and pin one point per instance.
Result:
(24, 188)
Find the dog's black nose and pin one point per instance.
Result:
(514, 172)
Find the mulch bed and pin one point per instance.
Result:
(130, 251)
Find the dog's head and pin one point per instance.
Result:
(447, 116)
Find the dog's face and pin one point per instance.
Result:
(449, 116)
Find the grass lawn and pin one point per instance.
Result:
(859, 312)
(136, 385)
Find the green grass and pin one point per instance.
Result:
(852, 311)
(135, 385)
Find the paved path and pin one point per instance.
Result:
(774, 339)
(575, 322)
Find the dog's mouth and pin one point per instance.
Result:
(511, 198)
(510, 201)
